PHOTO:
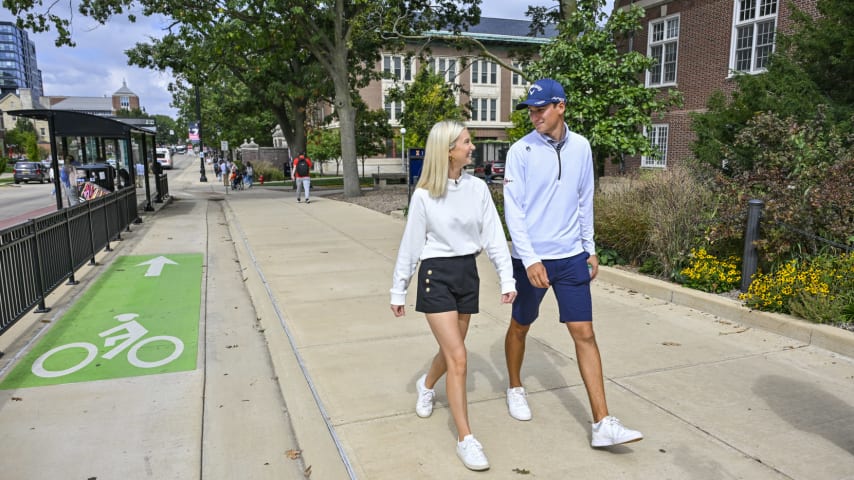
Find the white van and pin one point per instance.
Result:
(164, 157)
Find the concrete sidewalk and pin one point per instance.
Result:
(324, 368)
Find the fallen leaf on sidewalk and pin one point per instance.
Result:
(740, 330)
(521, 471)
(17, 399)
(307, 471)
(671, 344)
(293, 454)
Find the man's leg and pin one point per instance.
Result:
(590, 366)
(514, 351)
(307, 187)
(298, 186)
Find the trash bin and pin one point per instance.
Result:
(101, 174)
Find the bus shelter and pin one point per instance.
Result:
(88, 140)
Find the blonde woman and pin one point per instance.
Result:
(451, 219)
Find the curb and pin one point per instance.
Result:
(824, 336)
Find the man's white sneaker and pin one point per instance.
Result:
(424, 404)
(517, 403)
(471, 453)
(609, 431)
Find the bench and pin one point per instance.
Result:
(383, 179)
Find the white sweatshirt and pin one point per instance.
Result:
(463, 222)
(548, 198)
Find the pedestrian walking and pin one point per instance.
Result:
(548, 208)
(302, 175)
(451, 220)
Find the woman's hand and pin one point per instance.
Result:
(508, 297)
(398, 310)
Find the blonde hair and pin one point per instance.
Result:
(441, 140)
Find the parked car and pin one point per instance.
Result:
(30, 171)
(476, 170)
(497, 169)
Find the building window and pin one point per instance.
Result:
(755, 22)
(657, 135)
(484, 109)
(515, 78)
(399, 67)
(124, 101)
(446, 67)
(484, 72)
(394, 109)
(663, 46)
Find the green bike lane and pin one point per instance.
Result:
(141, 317)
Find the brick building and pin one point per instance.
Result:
(700, 45)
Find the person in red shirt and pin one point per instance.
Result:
(302, 175)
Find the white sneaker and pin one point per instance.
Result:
(424, 404)
(609, 431)
(471, 453)
(517, 403)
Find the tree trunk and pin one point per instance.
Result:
(347, 118)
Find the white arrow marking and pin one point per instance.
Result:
(155, 266)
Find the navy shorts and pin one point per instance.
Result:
(570, 280)
(448, 284)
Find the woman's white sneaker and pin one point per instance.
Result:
(610, 431)
(424, 404)
(517, 403)
(471, 453)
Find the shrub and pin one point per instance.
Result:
(270, 172)
(621, 221)
(655, 219)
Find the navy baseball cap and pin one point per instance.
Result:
(543, 92)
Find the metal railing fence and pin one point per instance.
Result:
(37, 256)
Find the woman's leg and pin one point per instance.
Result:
(450, 330)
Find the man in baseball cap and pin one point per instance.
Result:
(543, 92)
(548, 208)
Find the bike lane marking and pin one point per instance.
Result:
(141, 316)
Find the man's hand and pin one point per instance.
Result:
(593, 261)
(537, 275)
(398, 310)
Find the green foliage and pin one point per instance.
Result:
(498, 199)
(428, 99)
(4, 163)
(323, 144)
(708, 273)
(609, 256)
(373, 130)
(804, 172)
(607, 101)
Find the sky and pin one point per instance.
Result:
(97, 66)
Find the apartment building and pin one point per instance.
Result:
(18, 66)
(700, 45)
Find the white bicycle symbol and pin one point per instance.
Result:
(135, 332)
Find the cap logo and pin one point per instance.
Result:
(535, 88)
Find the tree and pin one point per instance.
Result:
(247, 65)
(373, 130)
(427, 100)
(344, 36)
(324, 144)
(607, 101)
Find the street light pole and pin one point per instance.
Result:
(403, 149)
(203, 177)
